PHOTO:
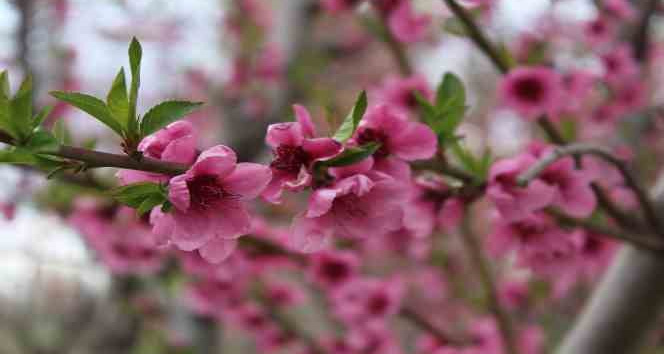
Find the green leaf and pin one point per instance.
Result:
(17, 156)
(117, 100)
(351, 122)
(42, 141)
(150, 202)
(165, 113)
(4, 84)
(450, 92)
(135, 194)
(41, 116)
(135, 56)
(20, 110)
(91, 105)
(61, 132)
(350, 156)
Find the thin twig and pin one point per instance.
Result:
(95, 159)
(641, 37)
(584, 149)
(398, 52)
(649, 243)
(483, 270)
(480, 39)
(423, 323)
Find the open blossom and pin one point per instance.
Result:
(333, 269)
(295, 149)
(512, 201)
(400, 92)
(400, 140)
(406, 25)
(360, 203)
(120, 240)
(208, 203)
(619, 64)
(175, 143)
(560, 185)
(364, 301)
(531, 91)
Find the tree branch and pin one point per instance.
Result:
(95, 159)
(584, 149)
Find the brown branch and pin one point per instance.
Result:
(424, 323)
(641, 37)
(96, 159)
(482, 268)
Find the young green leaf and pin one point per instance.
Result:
(41, 116)
(165, 113)
(4, 84)
(351, 155)
(42, 141)
(61, 132)
(135, 194)
(450, 92)
(20, 109)
(150, 202)
(17, 156)
(135, 56)
(117, 100)
(351, 122)
(91, 105)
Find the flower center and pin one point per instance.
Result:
(378, 304)
(335, 271)
(289, 159)
(529, 89)
(370, 135)
(205, 192)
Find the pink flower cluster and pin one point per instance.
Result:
(404, 23)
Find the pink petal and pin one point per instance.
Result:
(396, 168)
(178, 192)
(182, 150)
(192, 230)
(310, 235)
(321, 201)
(321, 148)
(218, 160)
(304, 118)
(284, 134)
(217, 250)
(416, 142)
(248, 180)
(361, 167)
(231, 220)
(385, 119)
(162, 226)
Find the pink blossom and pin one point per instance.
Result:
(512, 201)
(621, 9)
(599, 31)
(399, 92)
(175, 143)
(208, 200)
(531, 91)
(619, 64)
(405, 25)
(337, 6)
(365, 300)
(121, 241)
(333, 269)
(401, 140)
(358, 206)
(539, 243)
(295, 149)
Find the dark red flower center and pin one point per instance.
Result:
(121, 250)
(205, 191)
(290, 159)
(335, 271)
(526, 230)
(409, 99)
(529, 89)
(369, 135)
(378, 304)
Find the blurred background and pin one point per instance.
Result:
(55, 297)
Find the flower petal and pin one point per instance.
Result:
(248, 180)
(304, 118)
(416, 142)
(284, 134)
(178, 192)
(218, 160)
(217, 250)
(310, 235)
(231, 220)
